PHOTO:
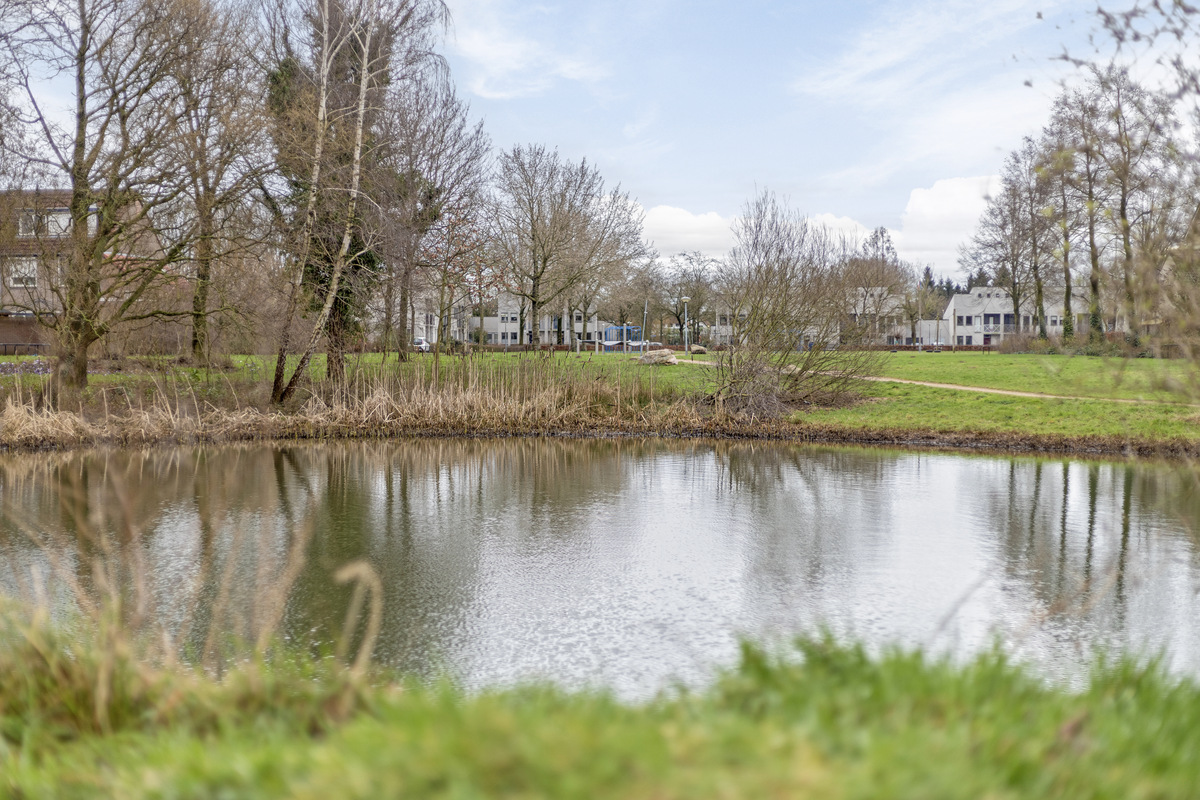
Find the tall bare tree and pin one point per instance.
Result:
(106, 153)
(221, 148)
(1077, 115)
(555, 222)
(435, 162)
(327, 97)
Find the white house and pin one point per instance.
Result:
(504, 328)
(984, 316)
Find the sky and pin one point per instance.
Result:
(860, 113)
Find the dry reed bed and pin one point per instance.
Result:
(534, 397)
(379, 416)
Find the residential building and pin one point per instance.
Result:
(504, 328)
(984, 316)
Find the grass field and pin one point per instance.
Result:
(1081, 376)
(907, 407)
(827, 721)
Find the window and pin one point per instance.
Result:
(56, 222)
(1053, 321)
(968, 340)
(960, 322)
(724, 320)
(969, 322)
(578, 318)
(22, 272)
(491, 337)
(1025, 320)
(960, 339)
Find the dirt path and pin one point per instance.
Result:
(1039, 395)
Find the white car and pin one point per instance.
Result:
(421, 345)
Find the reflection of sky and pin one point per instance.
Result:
(631, 564)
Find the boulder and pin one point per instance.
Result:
(658, 357)
(699, 349)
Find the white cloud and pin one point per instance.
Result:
(935, 222)
(677, 230)
(852, 228)
(912, 50)
(505, 64)
(938, 219)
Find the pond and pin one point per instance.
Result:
(627, 564)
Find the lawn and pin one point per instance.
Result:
(905, 406)
(1080, 376)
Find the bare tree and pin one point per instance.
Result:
(880, 282)
(1057, 161)
(220, 149)
(435, 159)
(691, 275)
(327, 97)
(555, 222)
(1136, 149)
(106, 155)
(1077, 115)
(785, 282)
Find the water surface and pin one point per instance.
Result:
(626, 564)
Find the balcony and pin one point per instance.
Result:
(992, 328)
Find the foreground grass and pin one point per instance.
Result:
(826, 721)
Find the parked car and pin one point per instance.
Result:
(420, 345)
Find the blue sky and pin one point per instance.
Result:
(862, 113)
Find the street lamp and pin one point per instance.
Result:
(686, 347)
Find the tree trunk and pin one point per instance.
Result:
(335, 350)
(535, 335)
(204, 263)
(1068, 311)
(1131, 314)
(1095, 321)
(408, 322)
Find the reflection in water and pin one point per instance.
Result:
(624, 563)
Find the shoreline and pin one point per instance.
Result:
(65, 431)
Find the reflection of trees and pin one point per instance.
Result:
(206, 541)
(816, 514)
(1077, 537)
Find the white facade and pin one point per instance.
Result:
(504, 328)
(984, 316)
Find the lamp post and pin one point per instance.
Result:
(686, 346)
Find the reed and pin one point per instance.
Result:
(471, 397)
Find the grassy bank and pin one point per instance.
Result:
(904, 412)
(153, 401)
(1077, 376)
(825, 721)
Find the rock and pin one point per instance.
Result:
(699, 349)
(658, 357)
